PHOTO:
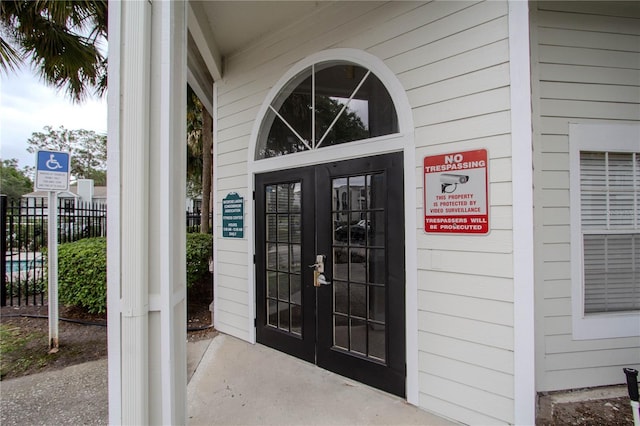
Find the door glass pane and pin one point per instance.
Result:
(358, 300)
(341, 332)
(295, 228)
(377, 303)
(296, 319)
(272, 284)
(296, 289)
(295, 197)
(359, 268)
(341, 297)
(358, 340)
(272, 256)
(340, 264)
(270, 198)
(283, 264)
(272, 312)
(283, 287)
(294, 258)
(283, 198)
(272, 227)
(377, 346)
(283, 227)
(283, 257)
(284, 316)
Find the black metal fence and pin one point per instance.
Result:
(24, 243)
(24, 228)
(193, 220)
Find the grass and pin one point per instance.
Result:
(21, 351)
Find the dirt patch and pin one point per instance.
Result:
(598, 406)
(24, 334)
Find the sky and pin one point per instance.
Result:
(27, 105)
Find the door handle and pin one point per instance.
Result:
(322, 280)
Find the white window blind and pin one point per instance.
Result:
(610, 223)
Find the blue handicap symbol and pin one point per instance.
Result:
(53, 161)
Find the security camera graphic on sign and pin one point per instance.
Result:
(449, 182)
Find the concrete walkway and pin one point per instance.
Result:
(242, 384)
(231, 383)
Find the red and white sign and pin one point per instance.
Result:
(456, 190)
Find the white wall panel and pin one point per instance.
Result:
(485, 287)
(452, 59)
(483, 56)
(462, 372)
(491, 406)
(484, 356)
(586, 68)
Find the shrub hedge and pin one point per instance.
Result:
(82, 274)
(82, 270)
(199, 251)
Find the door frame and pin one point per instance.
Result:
(317, 212)
(403, 141)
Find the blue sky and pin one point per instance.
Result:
(27, 105)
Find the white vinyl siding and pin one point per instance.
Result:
(452, 60)
(585, 69)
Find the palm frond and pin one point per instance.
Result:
(10, 59)
(61, 37)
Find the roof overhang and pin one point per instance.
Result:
(220, 29)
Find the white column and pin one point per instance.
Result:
(522, 186)
(146, 242)
(167, 194)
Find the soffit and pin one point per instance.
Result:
(234, 25)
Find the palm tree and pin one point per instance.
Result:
(62, 40)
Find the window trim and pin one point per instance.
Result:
(601, 138)
(316, 141)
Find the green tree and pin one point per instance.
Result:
(14, 183)
(62, 40)
(194, 144)
(199, 155)
(88, 150)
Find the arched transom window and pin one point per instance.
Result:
(329, 103)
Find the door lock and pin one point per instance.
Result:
(319, 265)
(318, 273)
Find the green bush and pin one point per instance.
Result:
(82, 274)
(82, 270)
(199, 251)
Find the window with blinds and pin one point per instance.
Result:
(610, 225)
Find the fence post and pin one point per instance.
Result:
(3, 250)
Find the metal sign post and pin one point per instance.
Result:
(52, 175)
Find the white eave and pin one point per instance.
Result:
(219, 29)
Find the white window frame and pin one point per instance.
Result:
(595, 137)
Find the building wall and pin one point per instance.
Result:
(452, 59)
(585, 69)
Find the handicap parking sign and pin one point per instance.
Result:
(52, 171)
